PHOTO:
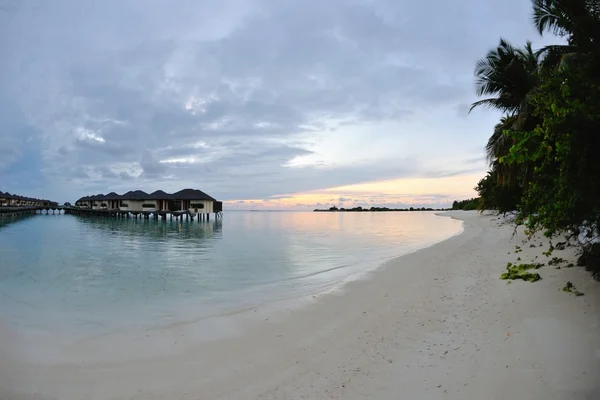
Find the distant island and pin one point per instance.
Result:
(377, 209)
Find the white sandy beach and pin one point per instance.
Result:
(437, 323)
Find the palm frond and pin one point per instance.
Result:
(493, 104)
(549, 17)
(559, 56)
(508, 73)
(579, 20)
(499, 143)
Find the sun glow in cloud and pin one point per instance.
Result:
(419, 192)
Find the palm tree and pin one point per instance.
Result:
(499, 143)
(510, 75)
(576, 20)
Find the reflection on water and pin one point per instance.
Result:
(156, 230)
(104, 273)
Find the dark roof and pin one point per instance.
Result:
(125, 196)
(7, 195)
(185, 194)
(160, 195)
(135, 195)
(94, 197)
(112, 196)
(191, 194)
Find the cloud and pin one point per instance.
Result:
(151, 167)
(243, 98)
(10, 151)
(125, 176)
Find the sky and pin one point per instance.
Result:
(274, 104)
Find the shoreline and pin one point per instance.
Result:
(220, 320)
(436, 322)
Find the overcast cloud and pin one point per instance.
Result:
(244, 99)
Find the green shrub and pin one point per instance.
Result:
(570, 288)
(520, 272)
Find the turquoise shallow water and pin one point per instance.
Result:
(62, 272)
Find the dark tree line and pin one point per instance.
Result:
(469, 204)
(544, 153)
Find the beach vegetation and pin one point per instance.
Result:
(521, 271)
(556, 261)
(542, 154)
(469, 204)
(570, 288)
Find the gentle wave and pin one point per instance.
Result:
(65, 272)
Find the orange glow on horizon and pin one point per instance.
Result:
(409, 192)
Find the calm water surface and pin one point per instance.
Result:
(62, 272)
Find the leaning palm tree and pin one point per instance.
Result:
(509, 75)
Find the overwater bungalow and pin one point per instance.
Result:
(194, 201)
(189, 201)
(15, 200)
(135, 201)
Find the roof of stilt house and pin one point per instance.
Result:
(191, 194)
(135, 195)
(95, 197)
(160, 195)
(18, 197)
(112, 196)
(185, 194)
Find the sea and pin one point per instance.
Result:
(66, 278)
